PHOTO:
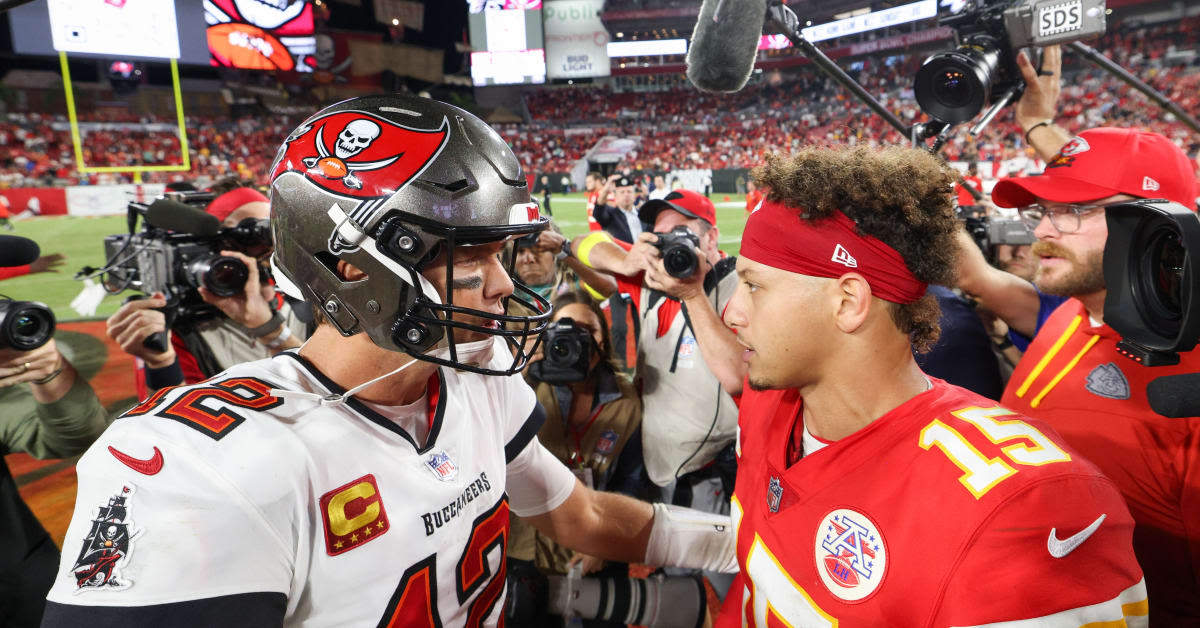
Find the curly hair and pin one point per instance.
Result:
(902, 196)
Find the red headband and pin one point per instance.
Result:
(777, 236)
(228, 202)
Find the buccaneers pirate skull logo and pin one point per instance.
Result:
(107, 546)
(360, 155)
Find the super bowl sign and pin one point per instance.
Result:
(576, 40)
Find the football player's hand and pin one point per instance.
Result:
(47, 263)
(590, 564)
(250, 308)
(137, 320)
(1040, 100)
(27, 366)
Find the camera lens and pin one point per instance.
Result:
(222, 275)
(1158, 280)
(953, 86)
(680, 262)
(26, 326)
(563, 350)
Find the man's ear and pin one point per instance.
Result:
(853, 302)
(349, 272)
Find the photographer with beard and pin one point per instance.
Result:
(252, 325)
(1072, 375)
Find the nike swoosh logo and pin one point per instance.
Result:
(1058, 548)
(146, 467)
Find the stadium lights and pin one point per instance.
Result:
(647, 48)
(395, 21)
(620, 35)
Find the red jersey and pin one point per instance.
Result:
(1073, 378)
(752, 201)
(964, 197)
(593, 198)
(946, 511)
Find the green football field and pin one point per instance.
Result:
(82, 241)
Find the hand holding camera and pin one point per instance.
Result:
(673, 263)
(249, 307)
(29, 366)
(566, 354)
(135, 322)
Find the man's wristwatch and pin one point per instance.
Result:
(565, 252)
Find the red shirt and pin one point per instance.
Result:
(593, 198)
(1073, 378)
(964, 197)
(752, 200)
(942, 512)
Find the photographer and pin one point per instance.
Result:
(592, 425)
(1072, 375)
(251, 325)
(691, 417)
(47, 411)
(544, 263)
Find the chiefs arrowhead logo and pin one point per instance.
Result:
(360, 155)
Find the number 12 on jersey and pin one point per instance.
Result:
(1029, 447)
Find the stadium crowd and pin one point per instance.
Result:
(678, 128)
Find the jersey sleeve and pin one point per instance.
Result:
(161, 537)
(537, 482)
(1058, 554)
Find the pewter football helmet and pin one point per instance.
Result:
(387, 183)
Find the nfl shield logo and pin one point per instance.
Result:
(441, 466)
(774, 494)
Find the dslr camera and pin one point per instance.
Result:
(567, 353)
(987, 232)
(179, 250)
(25, 325)
(1152, 270)
(953, 86)
(678, 248)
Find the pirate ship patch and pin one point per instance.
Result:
(107, 547)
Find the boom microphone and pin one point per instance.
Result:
(17, 251)
(167, 214)
(725, 44)
(1175, 396)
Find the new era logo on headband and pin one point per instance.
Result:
(843, 257)
(1149, 185)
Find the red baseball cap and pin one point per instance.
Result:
(1103, 162)
(230, 201)
(686, 202)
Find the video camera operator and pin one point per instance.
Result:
(680, 282)
(47, 411)
(1073, 377)
(251, 325)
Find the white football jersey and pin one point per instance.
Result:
(221, 502)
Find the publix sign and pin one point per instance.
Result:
(576, 40)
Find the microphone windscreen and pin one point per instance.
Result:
(1175, 396)
(725, 44)
(17, 251)
(167, 214)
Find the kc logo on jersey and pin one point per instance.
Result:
(353, 514)
(360, 155)
(107, 546)
(851, 555)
